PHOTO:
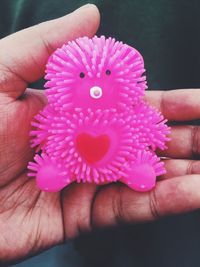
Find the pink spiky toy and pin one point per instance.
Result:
(96, 126)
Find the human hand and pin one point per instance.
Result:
(31, 220)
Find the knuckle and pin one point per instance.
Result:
(163, 104)
(4, 79)
(153, 205)
(9, 81)
(44, 39)
(195, 146)
(193, 167)
(118, 206)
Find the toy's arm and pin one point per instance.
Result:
(41, 125)
(153, 130)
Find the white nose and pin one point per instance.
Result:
(96, 92)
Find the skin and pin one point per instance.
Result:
(31, 220)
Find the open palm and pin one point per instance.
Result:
(31, 220)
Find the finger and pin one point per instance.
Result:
(77, 201)
(180, 167)
(176, 105)
(25, 53)
(184, 143)
(118, 203)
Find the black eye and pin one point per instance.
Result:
(82, 75)
(108, 72)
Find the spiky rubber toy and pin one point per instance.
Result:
(96, 126)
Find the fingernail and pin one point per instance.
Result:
(83, 7)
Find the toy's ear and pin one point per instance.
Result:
(136, 63)
(138, 56)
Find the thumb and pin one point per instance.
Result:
(24, 54)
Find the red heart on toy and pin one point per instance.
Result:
(92, 148)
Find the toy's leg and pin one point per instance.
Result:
(49, 177)
(143, 171)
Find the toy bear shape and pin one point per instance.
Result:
(96, 127)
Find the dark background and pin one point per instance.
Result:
(167, 33)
